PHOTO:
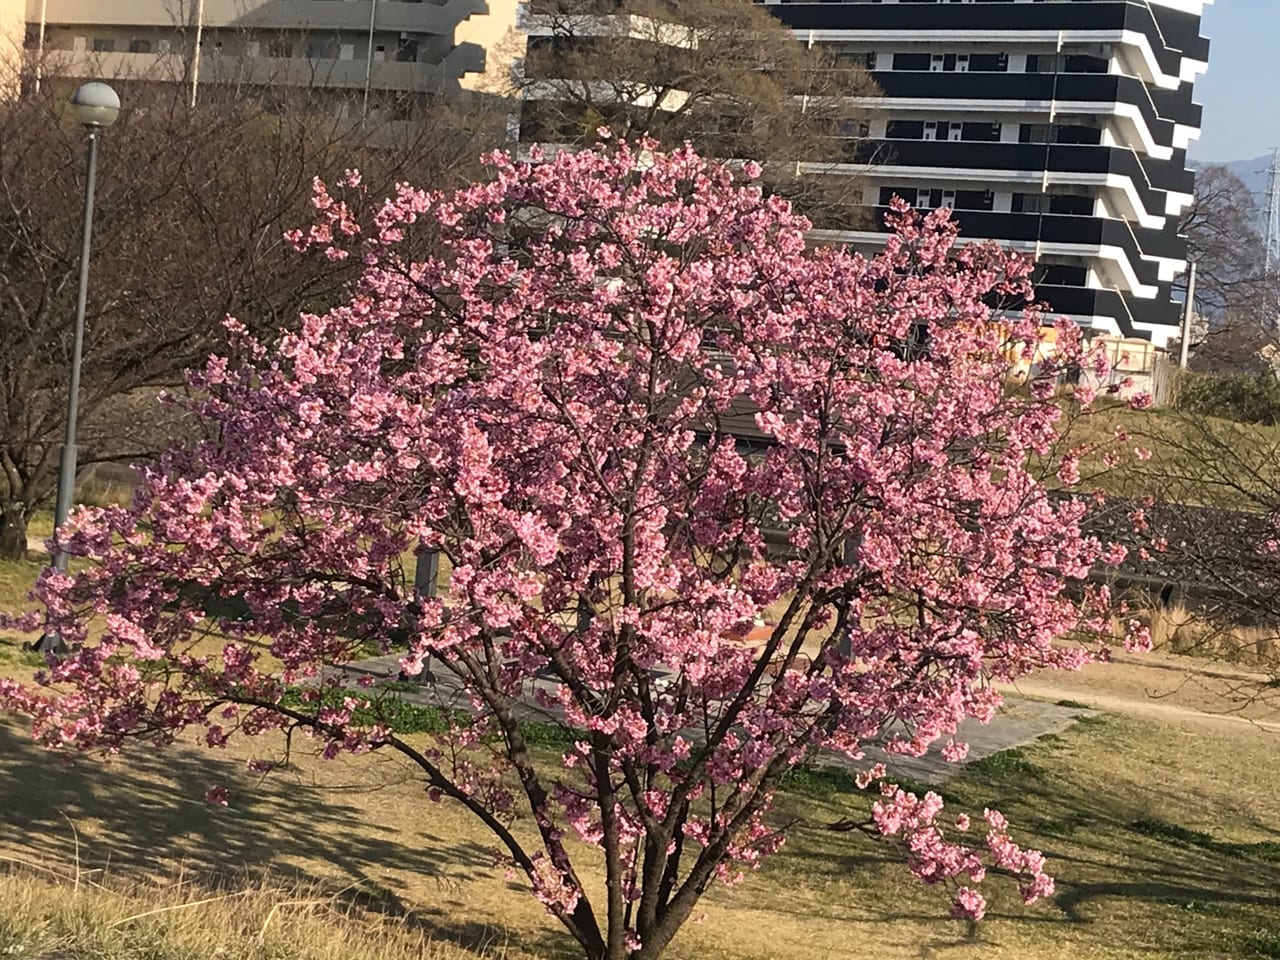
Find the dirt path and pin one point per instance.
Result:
(1126, 705)
(1166, 687)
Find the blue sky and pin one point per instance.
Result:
(1241, 91)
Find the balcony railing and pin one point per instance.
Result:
(1151, 174)
(987, 17)
(271, 71)
(319, 15)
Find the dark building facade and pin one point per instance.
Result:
(1058, 127)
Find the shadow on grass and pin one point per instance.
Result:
(140, 816)
(1109, 855)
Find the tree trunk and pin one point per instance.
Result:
(13, 532)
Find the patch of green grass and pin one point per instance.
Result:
(1171, 833)
(401, 686)
(1261, 945)
(1090, 720)
(1268, 850)
(818, 781)
(1065, 825)
(393, 711)
(64, 919)
(13, 651)
(16, 579)
(405, 717)
(1203, 908)
(1072, 704)
(826, 783)
(1011, 764)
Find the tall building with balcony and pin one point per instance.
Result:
(1057, 127)
(365, 54)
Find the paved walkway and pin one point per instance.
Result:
(1018, 722)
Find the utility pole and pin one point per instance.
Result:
(368, 60)
(195, 53)
(1187, 313)
(1271, 253)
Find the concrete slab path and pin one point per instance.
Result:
(1019, 722)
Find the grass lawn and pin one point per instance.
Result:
(1164, 837)
(1205, 461)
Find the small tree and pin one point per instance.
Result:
(636, 413)
(724, 75)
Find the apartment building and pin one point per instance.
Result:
(1057, 127)
(382, 52)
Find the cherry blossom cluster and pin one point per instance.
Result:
(637, 413)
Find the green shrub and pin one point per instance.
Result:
(1244, 397)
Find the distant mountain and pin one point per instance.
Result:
(1254, 174)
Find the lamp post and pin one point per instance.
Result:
(96, 106)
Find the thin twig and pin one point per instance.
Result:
(75, 835)
(179, 906)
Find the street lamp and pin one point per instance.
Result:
(96, 106)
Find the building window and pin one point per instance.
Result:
(1030, 203)
(139, 46)
(911, 61)
(989, 63)
(1035, 133)
(1071, 134)
(1060, 204)
(984, 132)
(905, 130)
(949, 63)
(103, 45)
(406, 50)
(280, 48)
(924, 198)
(1061, 275)
(857, 129)
(1065, 63)
(909, 194)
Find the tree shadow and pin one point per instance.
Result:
(1103, 847)
(140, 816)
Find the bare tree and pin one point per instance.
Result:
(1221, 228)
(722, 74)
(192, 209)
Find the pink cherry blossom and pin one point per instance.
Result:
(637, 413)
(217, 796)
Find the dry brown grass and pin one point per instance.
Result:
(1164, 835)
(1180, 630)
(49, 912)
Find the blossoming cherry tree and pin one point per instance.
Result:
(636, 413)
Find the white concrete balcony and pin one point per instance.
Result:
(275, 71)
(320, 15)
